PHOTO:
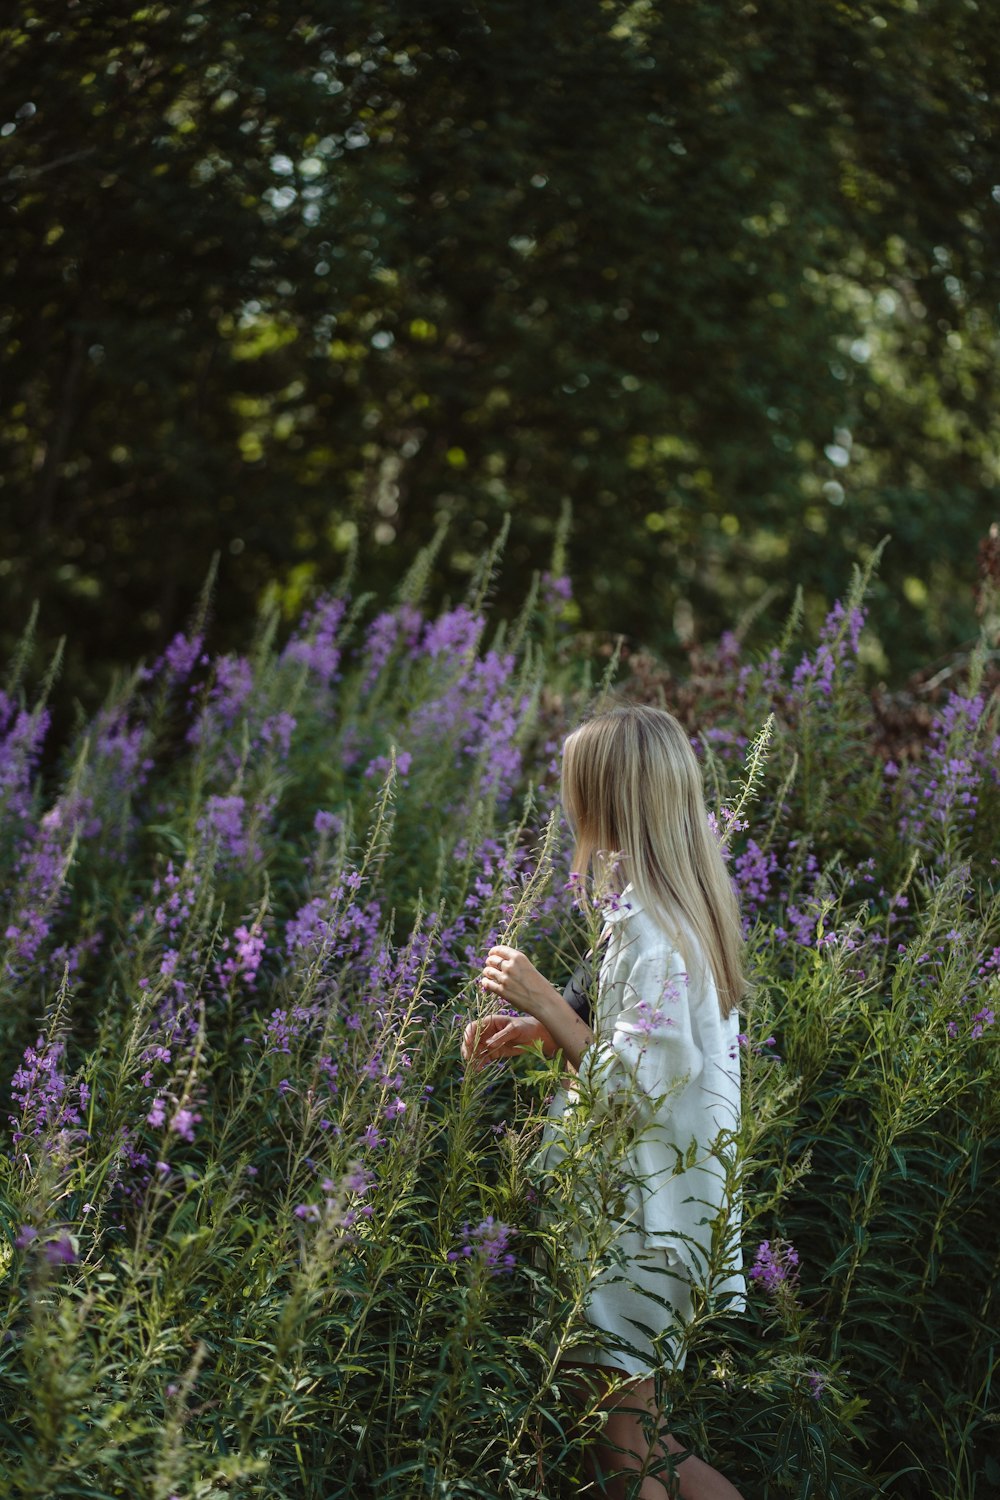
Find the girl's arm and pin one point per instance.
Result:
(494, 1037)
(512, 976)
(650, 1055)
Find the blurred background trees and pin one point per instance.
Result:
(723, 276)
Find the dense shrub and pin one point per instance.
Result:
(263, 1237)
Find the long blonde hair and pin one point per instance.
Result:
(632, 790)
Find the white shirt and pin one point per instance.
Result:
(664, 1055)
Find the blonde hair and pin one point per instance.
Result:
(632, 790)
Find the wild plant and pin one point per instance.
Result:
(264, 1236)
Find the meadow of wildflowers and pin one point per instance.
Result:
(262, 1236)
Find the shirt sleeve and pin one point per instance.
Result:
(640, 1066)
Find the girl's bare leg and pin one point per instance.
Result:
(624, 1450)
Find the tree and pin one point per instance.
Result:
(723, 275)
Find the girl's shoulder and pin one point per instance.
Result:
(633, 933)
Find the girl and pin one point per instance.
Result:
(661, 1046)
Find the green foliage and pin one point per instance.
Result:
(722, 275)
(268, 1241)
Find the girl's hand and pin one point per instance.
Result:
(502, 1036)
(511, 976)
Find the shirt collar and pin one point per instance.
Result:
(622, 906)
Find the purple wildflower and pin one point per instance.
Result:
(454, 634)
(557, 590)
(21, 737)
(381, 764)
(60, 1251)
(122, 748)
(180, 656)
(232, 685)
(40, 1088)
(489, 1243)
(223, 818)
(947, 788)
(183, 1124)
(314, 643)
(242, 964)
(775, 1264)
(358, 1180)
(754, 869)
(278, 731)
(383, 633)
(328, 822)
(492, 1241)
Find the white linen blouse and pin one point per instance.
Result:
(664, 1053)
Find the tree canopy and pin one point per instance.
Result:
(723, 276)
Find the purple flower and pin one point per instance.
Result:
(122, 748)
(489, 1243)
(21, 738)
(25, 1236)
(946, 789)
(381, 764)
(754, 869)
(246, 960)
(157, 1114)
(314, 643)
(453, 635)
(286, 1026)
(383, 633)
(358, 1180)
(59, 1251)
(42, 866)
(981, 1020)
(278, 731)
(231, 687)
(839, 640)
(556, 590)
(650, 1019)
(183, 1124)
(180, 656)
(47, 1101)
(775, 1264)
(223, 818)
(723, 826)
(328, 822)
(817, 1383)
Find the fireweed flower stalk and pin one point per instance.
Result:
(52, 1105)
(487, 1246)
(39, 888)
(776, 1264)
(22, 735)
(962, 760)
(475, 706)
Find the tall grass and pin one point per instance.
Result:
(262, 1236)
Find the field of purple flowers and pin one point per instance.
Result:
(261, 1236)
